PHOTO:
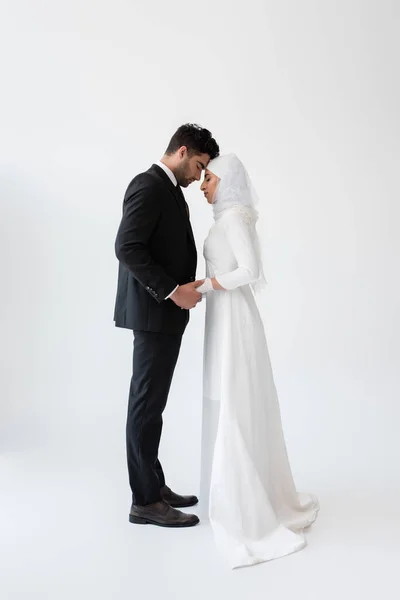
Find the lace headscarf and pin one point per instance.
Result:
(235, 192)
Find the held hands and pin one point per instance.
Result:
(187, 296)
(205, 287)
(209, 285)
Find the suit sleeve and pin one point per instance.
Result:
(141, 212)
(240, 238)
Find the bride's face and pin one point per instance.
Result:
(209, 185)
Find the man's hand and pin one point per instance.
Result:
(186, 296)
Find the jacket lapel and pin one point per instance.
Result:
(185, 208)
(179, 198)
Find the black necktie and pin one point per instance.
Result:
(182, 199)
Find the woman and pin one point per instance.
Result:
(254, 509)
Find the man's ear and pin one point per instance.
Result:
(182, 152)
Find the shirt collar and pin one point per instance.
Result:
(168, 171)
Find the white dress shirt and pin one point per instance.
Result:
(172, 177)
(168, 171)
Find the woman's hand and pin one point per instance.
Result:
(209, 285)
(216, 285)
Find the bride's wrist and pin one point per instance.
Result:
(216, 285)
(206, 286)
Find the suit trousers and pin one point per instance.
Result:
(154, 359)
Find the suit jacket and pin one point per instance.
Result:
(156, 251)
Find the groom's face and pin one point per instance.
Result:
(190, 168)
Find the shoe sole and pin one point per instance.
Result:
(142, 521)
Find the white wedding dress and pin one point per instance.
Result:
(246, 481)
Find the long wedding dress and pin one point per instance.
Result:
(246, 481)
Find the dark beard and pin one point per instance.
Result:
(181, 177)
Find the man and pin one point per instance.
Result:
(156, 290)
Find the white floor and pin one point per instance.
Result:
(65, 535)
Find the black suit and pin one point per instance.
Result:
(157, 252)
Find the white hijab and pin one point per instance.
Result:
(235, 191)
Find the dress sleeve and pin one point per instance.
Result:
(240, 235)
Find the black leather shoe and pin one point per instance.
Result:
(161, 514)
(176, 500)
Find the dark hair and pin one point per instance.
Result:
(196, 139)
